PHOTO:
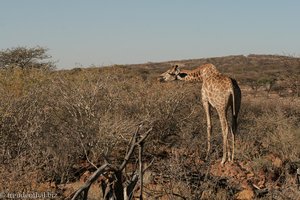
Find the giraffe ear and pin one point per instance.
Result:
(175, 68)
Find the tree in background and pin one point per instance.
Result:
(26, 58)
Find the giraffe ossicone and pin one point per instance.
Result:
(218, 91)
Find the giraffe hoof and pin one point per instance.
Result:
(223, 162)
(207, 156)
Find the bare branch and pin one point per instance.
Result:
(86, 155)
(133, 145)
(89, 182)
(141, 169)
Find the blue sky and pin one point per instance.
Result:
(87, 32)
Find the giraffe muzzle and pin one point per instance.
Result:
(161, 79)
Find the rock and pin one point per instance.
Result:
(207, 194)
(277, 162)
(222, 194)
(246, 194)
(148, 177)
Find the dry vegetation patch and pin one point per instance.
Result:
(54, 123)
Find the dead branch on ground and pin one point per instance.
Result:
(114, 187)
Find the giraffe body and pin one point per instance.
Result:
(218, 91)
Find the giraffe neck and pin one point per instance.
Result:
(201, 73)
(191, 75)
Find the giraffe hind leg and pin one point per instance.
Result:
(232, 138)
(224, 126)
(228, 150)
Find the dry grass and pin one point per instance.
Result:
(52, 121)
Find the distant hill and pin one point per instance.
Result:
(252, 71)
(235, 63)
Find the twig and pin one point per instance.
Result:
(86, 156)
(141, 169)
(144, 137)
(133, 137)
(149, 165)
(132, 147)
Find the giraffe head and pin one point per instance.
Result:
(172, 74)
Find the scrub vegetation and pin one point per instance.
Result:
(57, 125)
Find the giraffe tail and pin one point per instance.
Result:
(234, 113)
(233, 101)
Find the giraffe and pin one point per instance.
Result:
(218, 91)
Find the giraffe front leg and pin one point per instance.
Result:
(209, 127)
